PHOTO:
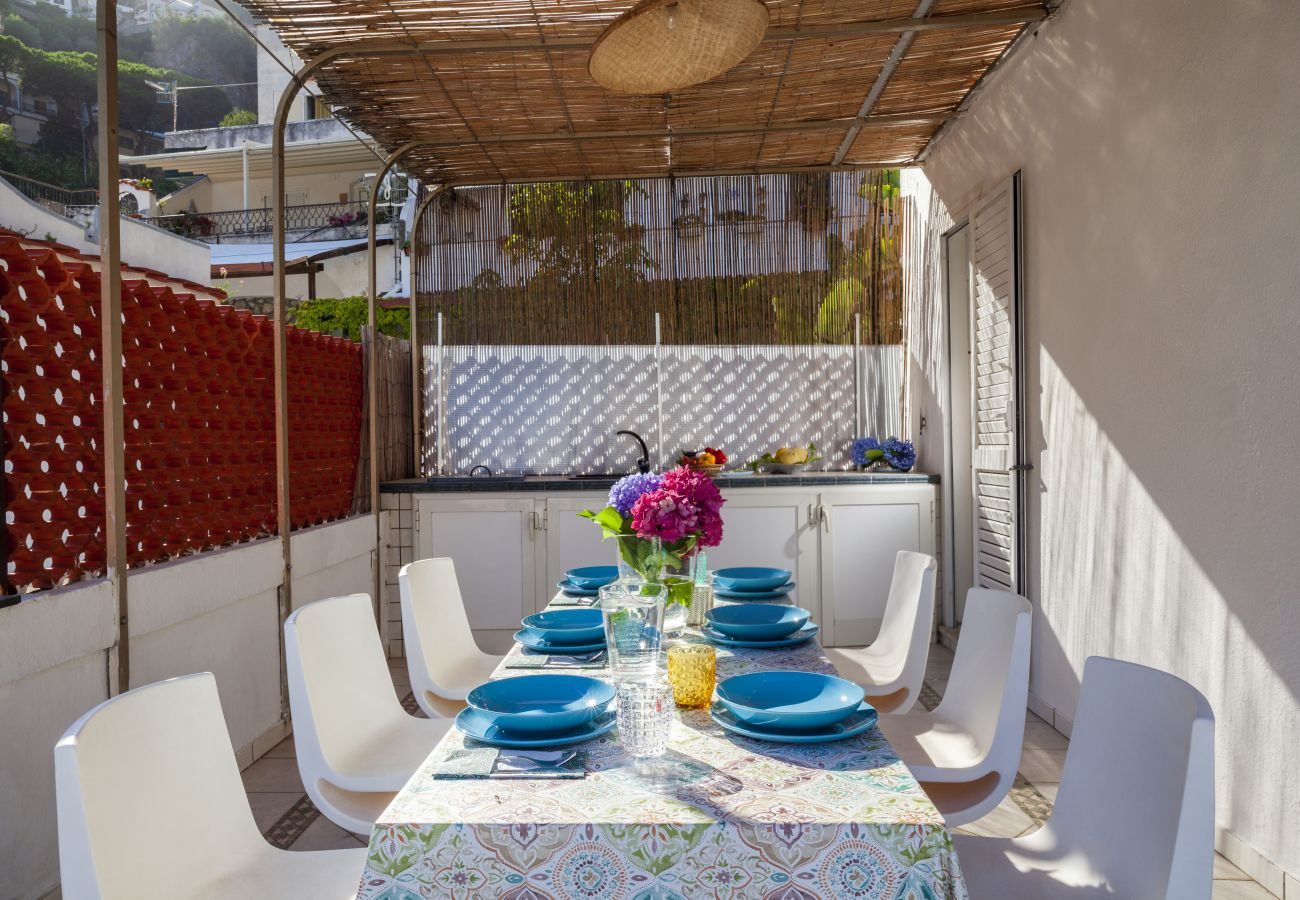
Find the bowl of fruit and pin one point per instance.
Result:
(710, 460)
(786, 460)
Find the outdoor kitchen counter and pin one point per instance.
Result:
(551, 483)
(514, 537)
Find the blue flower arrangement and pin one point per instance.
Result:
(863, 446)
(894, 452)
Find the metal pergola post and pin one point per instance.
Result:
(417, 352)
(110, 299)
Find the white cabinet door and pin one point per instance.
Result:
(861, 533)
(493, 544)
(767, 528)
(571, 541)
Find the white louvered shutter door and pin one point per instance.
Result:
(994, 481)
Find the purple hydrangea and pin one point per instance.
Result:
(899, 454)
(627, 491)
(861, 447)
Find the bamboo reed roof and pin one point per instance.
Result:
(498, 90)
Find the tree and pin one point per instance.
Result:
(238, 117)
(347, 314)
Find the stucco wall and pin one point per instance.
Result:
(1159, 145)
(214, 611)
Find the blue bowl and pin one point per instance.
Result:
(536, 704)
(591, 577)
(567, 626)
(751, 578)
(758, 621)
(790, 700)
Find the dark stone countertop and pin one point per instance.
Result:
(460, 484)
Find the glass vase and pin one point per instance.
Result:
(640, 560)
(679, 578)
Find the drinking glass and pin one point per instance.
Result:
(645, 717)
(692, 669)
(633, 615)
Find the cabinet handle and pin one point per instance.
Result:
(824, 516)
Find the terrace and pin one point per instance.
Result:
(1073, 300)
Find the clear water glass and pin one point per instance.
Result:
(634, 622)
(645, 717)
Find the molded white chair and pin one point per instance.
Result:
(151, 807)
(1134, 816)
(441, 656)
(892, 669)
(356, 746)
(965, 752)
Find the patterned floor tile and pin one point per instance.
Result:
(293, 825)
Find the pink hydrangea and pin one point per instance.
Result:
(686, 503)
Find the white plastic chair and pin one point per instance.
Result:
(1134, 816)
(442, 657)
(966, 751)
(151, 805)
(356, 746)
(892, 668)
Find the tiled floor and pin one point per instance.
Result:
(289, 820)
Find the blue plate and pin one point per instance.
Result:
(758, 621)
(574, 591)
(591, 577)
(546, 704)
(567, 626)
(790, 701)
(774, 594)
(808, 632)
(534, 641)
(861, 720)
(471, 723)
(750, 578)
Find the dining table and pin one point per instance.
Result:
(718, 815)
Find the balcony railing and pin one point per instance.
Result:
(312, 217)
(51, 196)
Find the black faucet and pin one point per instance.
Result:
(642, 464)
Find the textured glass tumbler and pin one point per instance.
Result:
(645, 717)
(701, 603)
(692, 670)
(633, 615)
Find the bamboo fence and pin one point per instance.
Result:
(396, 458)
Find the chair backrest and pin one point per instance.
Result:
(903, 644)
(149, 795)
(988, 687)
(434, 623)
(1137, 791)
(340, 691)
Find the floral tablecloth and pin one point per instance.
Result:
(724, 817)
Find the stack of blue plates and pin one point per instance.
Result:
(752, 583)
(538, 711)
(563, 631)
(587, 580)
(759, 625)
(792, 707)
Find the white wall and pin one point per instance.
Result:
(214, 611)
(152, 248)
(1159, 143)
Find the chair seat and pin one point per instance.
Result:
(467, 675)
(388, 757)
(860, 665)
(1029, 868)
(289, 875)
(933, 748)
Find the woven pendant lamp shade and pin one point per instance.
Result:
(662, 45)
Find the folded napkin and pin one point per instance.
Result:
(529, 659)
(490, 762)
(570, 600)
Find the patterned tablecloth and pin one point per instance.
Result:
(725, 817)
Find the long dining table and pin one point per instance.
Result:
(722, 816)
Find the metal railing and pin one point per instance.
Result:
(315, 216)
(50, 196)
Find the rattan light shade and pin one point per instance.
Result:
(660, 46)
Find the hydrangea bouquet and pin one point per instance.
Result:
(661, 520)
(897, 454)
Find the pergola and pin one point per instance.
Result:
(498, 91)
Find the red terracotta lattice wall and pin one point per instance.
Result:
(200, 420)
